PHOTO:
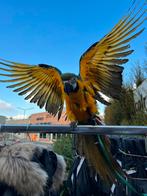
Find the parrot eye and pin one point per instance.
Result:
(73, 81)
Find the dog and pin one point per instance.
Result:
(28, 169)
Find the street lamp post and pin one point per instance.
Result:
(24, 110)
(24, 113)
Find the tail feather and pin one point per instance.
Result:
(97, 151)
(113, 164)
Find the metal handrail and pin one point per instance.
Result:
(80, 129)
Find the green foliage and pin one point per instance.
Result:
(122, 111)
(63, 146)
(113, 114)
(127, 103)
(140, 118)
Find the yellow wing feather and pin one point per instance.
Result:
(100, 64)
(41, 84)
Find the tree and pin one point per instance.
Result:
(138, 74)
(113, 114)
(127, 104)
(121, 111)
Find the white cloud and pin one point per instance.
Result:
(5, 106)
(19, 116)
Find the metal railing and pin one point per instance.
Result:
(80, 129)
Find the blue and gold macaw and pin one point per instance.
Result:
(100, 71)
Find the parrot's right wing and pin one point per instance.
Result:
(42, 84)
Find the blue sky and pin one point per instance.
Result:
(57, 33)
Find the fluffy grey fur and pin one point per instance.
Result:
(25, 176)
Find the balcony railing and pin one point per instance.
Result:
(80, 129)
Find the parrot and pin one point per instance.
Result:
(100, 73)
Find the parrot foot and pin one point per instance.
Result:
(95, 120)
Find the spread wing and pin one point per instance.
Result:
(41, 84)
(100, 64)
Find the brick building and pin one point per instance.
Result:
(44, 118)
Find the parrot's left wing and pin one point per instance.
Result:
(100, 64)
(42, 84)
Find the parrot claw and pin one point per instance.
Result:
(95, 120)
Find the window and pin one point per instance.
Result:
(43, 135)
(40, 118)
